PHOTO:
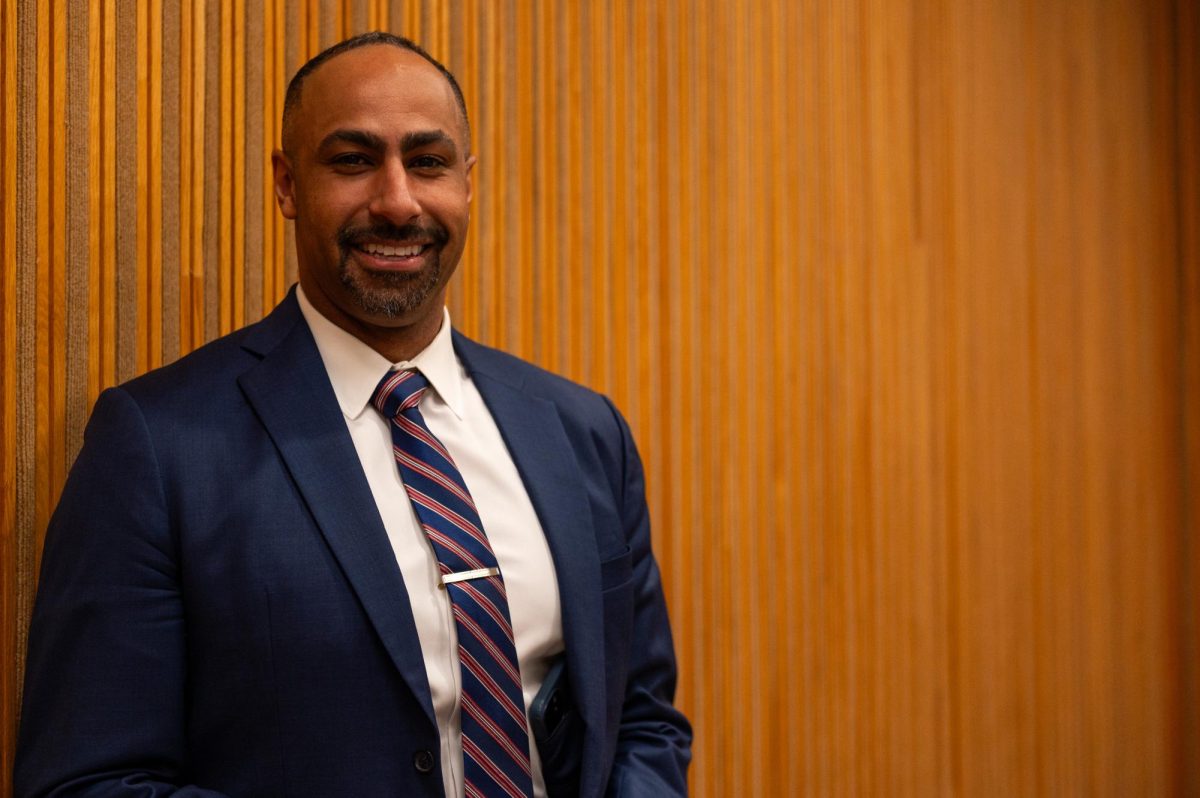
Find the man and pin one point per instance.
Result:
(250, 586)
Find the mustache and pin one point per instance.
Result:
(352, 236)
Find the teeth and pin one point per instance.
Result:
(384, 251)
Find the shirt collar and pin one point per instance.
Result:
(355, 368)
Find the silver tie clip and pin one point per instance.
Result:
(462, 576)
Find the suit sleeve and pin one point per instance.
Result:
(104, 702)
(654, 740)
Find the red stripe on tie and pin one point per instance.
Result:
(490, 768)
(490, 608)
(414, 430)
(471, 626)
(439, 538)
(495, 690)
(460, 521)
(385, 390)
(495, 732)
(423, 468)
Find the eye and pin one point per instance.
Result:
(350, 161)
(427, 163)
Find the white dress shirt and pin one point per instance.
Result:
(457, 415)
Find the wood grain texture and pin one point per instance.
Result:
(1187, 170)
(901, 299)
(12, 561)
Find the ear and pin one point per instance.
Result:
(470, 188)
(285, 184)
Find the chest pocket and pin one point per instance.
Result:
(616, 571)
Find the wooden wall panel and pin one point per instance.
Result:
(901, 300)
(1187, 122)
(14, 549)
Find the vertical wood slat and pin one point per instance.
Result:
(254, 163)
(127, 111)
(214, 260)
(170, 69)
(234, 130)
(923, 532)
(186, 136)
(52, 336)
(271, 111)
(1187, 125)
(209, 50)
(20, 417)
(191, 184)
(41, 258)
(145, 55)
(11, 556)
(106, 24)
(50, 287)
(229, 283)
(77, 227)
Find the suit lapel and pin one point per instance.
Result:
(291, 393)
(538, 443)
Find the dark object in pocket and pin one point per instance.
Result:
(555, 726)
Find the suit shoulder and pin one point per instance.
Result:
(212, 368)
(195, 373)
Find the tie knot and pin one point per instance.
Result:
(398, 391)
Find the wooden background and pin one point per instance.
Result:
(900, 296)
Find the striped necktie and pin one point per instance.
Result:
(495, 738)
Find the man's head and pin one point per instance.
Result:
(375, 171)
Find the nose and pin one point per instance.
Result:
(392, 196)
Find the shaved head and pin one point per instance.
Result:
(292, 100)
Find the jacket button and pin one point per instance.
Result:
(423, 761)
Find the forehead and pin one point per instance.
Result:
(381, 89)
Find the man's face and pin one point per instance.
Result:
(377, 179)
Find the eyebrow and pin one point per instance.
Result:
(346, 136)
(424, 138)
(408, 143)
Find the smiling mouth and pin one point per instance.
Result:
(393, 249)
(390, 251)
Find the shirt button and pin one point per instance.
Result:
(423, 761)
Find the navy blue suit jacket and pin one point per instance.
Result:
(220, 610)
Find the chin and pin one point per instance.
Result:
(392, 296)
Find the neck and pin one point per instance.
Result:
(395, 339)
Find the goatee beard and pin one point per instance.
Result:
(390, 294)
